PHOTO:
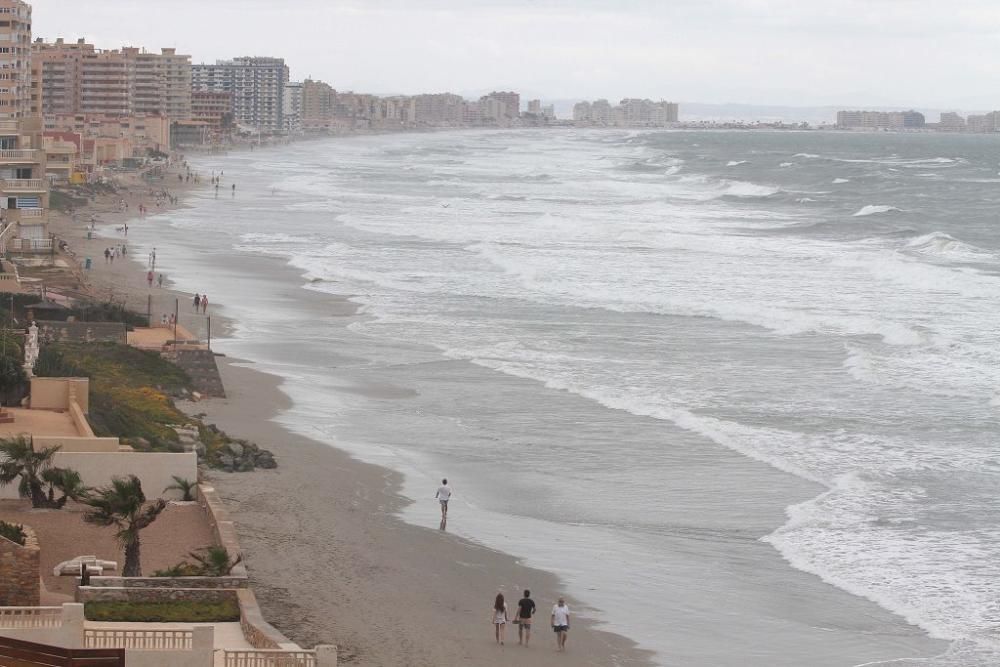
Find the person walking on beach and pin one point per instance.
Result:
(197, 302)
(525, 610)
(560, 623)
(499, 617)
(444, 495)
(149, 278)
(107, 255)
(159, 281)
(204, 304)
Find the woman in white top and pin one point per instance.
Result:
(499, 617)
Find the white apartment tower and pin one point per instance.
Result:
(257, 87)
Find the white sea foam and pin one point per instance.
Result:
(941, 245)
(735, 163)
(875, 209)
(809, 156)
(840, 181)
(786, 164)
(741, 189)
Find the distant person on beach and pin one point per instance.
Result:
(560, 623)
(500, 618)
(197, 302)
(204, 304)
(444, 495)
(163, 320)
(234, 189)
(159, 281)
(107, 255)
(525, 610)
(149, 278)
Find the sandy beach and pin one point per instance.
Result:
(329, 558)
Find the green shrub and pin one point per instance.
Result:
(13, 532)
(177, 611)
(128, 388)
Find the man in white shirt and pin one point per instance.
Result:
(560, 623)
(444, 495)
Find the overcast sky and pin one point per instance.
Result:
(923, 53)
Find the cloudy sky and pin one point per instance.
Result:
(922, 53)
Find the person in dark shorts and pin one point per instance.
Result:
(560, 623)
(525, 610)
(444, 495)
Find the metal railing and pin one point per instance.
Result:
(139, 640)
(23, 185)
(18, 155)
(30, 212)
(30, 617)
(270, 658)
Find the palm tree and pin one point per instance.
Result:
(21, 460)
(215, 561)
(67, 482)
(184, 486)
(123, 504)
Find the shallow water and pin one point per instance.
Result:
(656, 363)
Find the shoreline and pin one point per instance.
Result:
(395, 575)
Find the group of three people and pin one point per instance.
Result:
(525, 615)
(525, 606)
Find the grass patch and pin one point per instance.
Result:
(177, 611)
(13, 532)
(130, 389)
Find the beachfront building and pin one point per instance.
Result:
(631, 112)
(880, 120)
(511, 103)
(24, 189)
(114, 138)
(215, 109)
(79, 78)
(951, 122)
(319, 101)
(439, 109)
(292, 107)
(257, 87)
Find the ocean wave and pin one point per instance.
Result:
(749, 190)
(875, 209)
(840, 181)
(735, 163)
(939, 244)
(808, 156)
(786, 164)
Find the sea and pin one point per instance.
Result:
(739, 390)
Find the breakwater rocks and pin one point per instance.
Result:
(217, 450)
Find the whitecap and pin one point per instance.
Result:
(838, 181)
(874, 209)
(735, 163)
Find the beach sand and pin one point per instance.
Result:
(329, 559)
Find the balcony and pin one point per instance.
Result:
(23, 185)
(18, 155)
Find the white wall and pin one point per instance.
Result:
(154, 470)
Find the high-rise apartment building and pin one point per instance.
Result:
(24, 192)
(880, 120)
(632, 112)
(78, 78)
(256, 85)
(319, 101)
(511, 102)
(214, 109)
(292, 107)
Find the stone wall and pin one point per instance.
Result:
(130, 594)
(20, 573)
(169, 582)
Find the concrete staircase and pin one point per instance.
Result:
(200, 365)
